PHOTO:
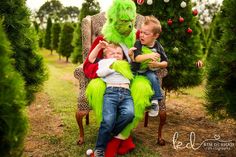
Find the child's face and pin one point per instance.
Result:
(113, 52)
(147, 37)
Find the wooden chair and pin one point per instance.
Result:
(91, 28)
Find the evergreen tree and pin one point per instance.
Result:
(13, 122)
(39, 34)
(89, 7)
(215, 34)
(41, 38)
(56, 30)
(77, 43)
(221, 87)
(47, 38)
(180, 39)
(65, 47)
(36, 26)
(24, 44)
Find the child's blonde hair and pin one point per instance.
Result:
(152, 19)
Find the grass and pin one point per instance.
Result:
(63, 95)
(197, 91)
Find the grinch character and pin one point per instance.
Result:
(118, 29)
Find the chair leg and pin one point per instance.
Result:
(160, 140)
(79, 118)
(87, 119)
(146, 119)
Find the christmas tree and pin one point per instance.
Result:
(221, 87)
(13, 122)
(180, 39)
(16, 21)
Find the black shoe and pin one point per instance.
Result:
(99, 153)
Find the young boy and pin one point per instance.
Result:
(118, 107)
(149, 32)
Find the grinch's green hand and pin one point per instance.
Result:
(146, 50)
(123, 67)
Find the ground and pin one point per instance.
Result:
(185, 115)
(44, 124)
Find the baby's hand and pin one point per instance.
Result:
(154, 56)
(103, 44)
(131, 51)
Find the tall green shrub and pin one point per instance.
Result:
(24, 44)
(56, 30)
(13, 122)
(48, 38)
(41, 35)
(221, 86)
(215, 33)
(77, 43)
(65, 47)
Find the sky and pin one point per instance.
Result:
(36, 4)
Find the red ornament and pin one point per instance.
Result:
(140, 2)
(181, 19)
(195, 12)
(189, 31)
(169, 22)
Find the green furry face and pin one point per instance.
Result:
(124, 27)
(122, 16)
(119, 26)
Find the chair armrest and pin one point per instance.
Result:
(79, 74)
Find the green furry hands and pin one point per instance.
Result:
(144, 64)
(123, 67)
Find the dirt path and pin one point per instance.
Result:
(185, 115)
(45, 128)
